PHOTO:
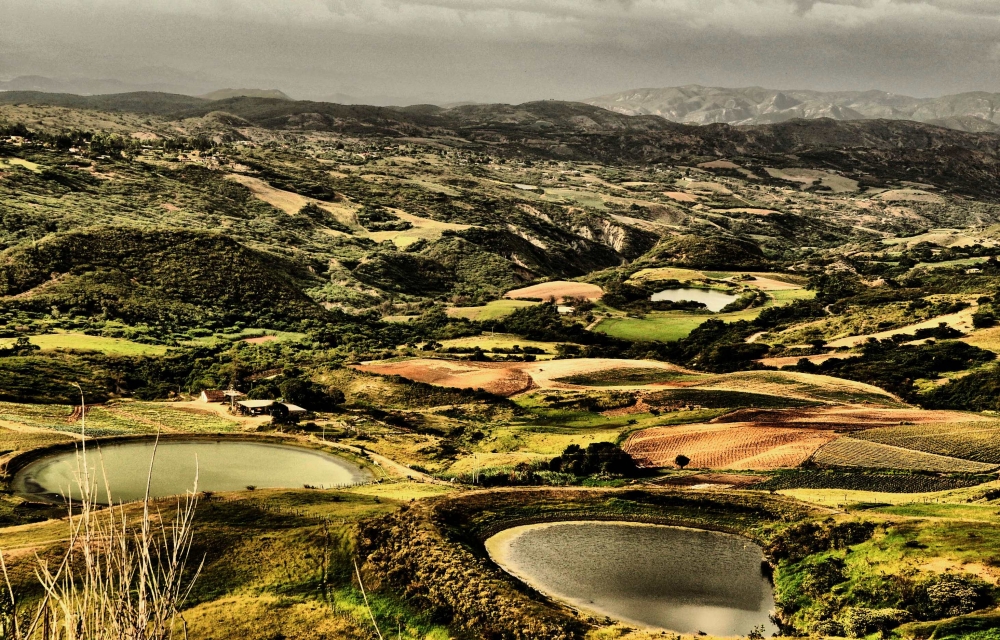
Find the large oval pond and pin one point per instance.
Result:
(221, 465)
(712, 299)
(682, 580)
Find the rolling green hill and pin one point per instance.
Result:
(155, 276)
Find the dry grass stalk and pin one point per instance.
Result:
(118, 579)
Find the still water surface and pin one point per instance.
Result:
(221, 466)
(713, 300)
(683, 580)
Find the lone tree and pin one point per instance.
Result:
(682, 461)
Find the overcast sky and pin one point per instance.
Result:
(507, 50)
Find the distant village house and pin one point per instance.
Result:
(220, 395)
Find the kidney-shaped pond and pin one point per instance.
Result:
(684, 580)
(221, 465)
(712, 299)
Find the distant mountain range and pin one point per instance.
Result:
(878, 150)
(225, 94)
(974, 112)
(155, 82)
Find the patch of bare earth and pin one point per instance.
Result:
(559, 290)
(681, 196)
(497, 378)
(502, 378)
(789, 361)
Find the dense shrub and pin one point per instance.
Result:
(603, 458)
(806, 538)
(895, 367)
(859, 622)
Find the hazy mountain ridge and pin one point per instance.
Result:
(974, 111)
(223, 94)
(890, 149)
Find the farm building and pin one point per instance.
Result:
(220, 395)
(270, 407)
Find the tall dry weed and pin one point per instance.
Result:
(123, 576)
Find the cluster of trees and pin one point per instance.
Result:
(895, 367)
(300, 391)
(816, 551)
(379, 219)
(21, 347)
(599, 458)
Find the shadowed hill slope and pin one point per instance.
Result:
(155, 276)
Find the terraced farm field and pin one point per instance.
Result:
(726, 446)
(173, 417)
(973, 440)
(852, 452)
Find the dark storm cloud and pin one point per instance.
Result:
(510, 50)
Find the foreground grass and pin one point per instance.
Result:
(920, 504)
(277, 564)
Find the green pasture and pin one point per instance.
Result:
(490, 311)
(83, 342)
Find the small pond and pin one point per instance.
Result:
(674, 578)
(222, 465)
(714, 300)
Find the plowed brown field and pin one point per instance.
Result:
(727, 446)
(559, 289)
